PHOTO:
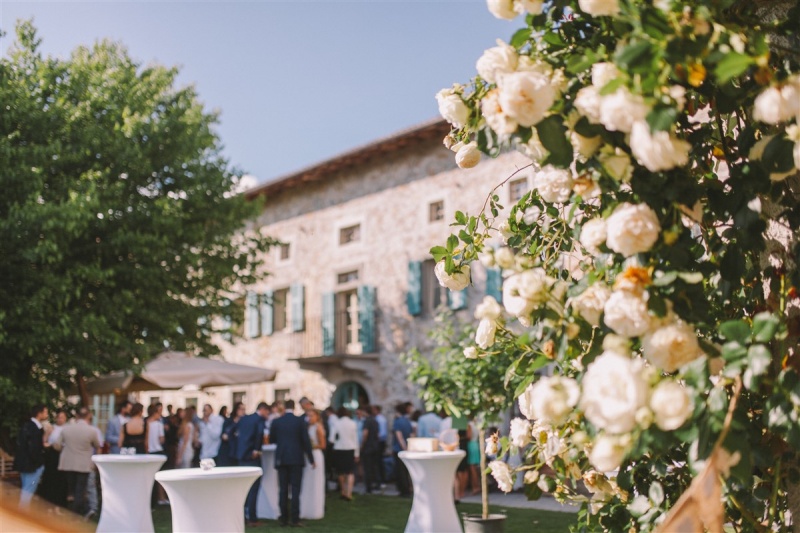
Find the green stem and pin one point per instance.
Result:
(776, 479)
(484, 485)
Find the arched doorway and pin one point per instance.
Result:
(349, 394)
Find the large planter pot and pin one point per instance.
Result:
(474, 523)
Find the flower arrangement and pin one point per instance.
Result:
(654, 262)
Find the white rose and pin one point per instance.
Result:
(468, 155)
(457, 281)
(658, 151)
(526, 96)
(671, 405)
(777, 104)
(486, 259)
(604, 72)
(504, 257)
(531, 476)
(678, 95)
(531, 215)
(590, 303)
(502, 9)
(470, 352)
(484, 335)
(593, 235)
(492, 444)
(520, 432)
(599, 8)
(619, 110)
(671, 346)
(452, 107)
(757, 152)
(513, 301)
(550, 400)
(626, 313)
(497, 119)
(502, 474)
(632, 229)
(617, 164)
(524, 291)
(553, 184)
(502, 59)
(587, 102)
(585, 146)
(533, 148)
(534, 7)
(607, 453)
(488, 309)
(613, 390)
(793, 132)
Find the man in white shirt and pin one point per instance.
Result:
(210, 433)
(428, 425)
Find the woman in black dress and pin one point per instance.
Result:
(134, 431)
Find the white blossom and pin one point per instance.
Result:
(553, 184)
(587, 102)
(632, 229)
(468, 155)
(626, 313)
(617, 163)
(488, 309)
(520, 432)
(658, 151)
(485, 334)
(452, 107)
(671, 405)
(671, 346)
(590, 303)
(523, 292)
(497, 119)
(504, 257)
(593, 235)
(470, 352)
(621, 109)
(778, 104)
(502, 474)
(599, 8)
(526, 96)
(604, 72)
(793, 132)
(613, 390)
(501, 59)
(502, 9)
(584, 146)
(607, 453)
(492, 444)
(456, 281)
(550, 400)
(534, 147)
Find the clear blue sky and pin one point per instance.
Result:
(296, 81)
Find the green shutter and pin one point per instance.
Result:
(328, 323)
(366, 318)
(414, 295)
(457, 300)
(251, 314)
(297, 299)
(494, 283)
(266, 313)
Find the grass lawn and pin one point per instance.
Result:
(389, 513)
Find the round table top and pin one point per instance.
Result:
(138, 458)
(218, 472)
(432, 455)
(269, 447)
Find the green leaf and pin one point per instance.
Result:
(758, 361)
(735, 330)
(778, 157)
(732, 65)
(452, 243)
(438, 252)
(656, 493)
(691, 278)
(666, 279)
(461, 218)
(553, 135)
(733, 351)
(520, 37)
(764, 327)
(661, 118)
(634, 54)
(612, 86)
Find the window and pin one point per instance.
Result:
(283, 252)
(436, 211)
(433, 294)
(517, 189)
(347, 323)
(191, 402)
(350, 234)
(280, 310)
(155, 399)
(238, 396)
(281, 395)
(347, 277)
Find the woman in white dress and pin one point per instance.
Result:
(312, 495)
(186, 443)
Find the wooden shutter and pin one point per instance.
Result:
(366, 318)
(457, 300)
(414, 294)
(266, 313)
(494, 283)
(297, 301)
(328, 323)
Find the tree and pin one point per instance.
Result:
(656, 257)
(121, 230)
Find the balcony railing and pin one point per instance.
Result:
(310, 342)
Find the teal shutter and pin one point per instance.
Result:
(494, 284)
(414, 294)
(328, 323)
(266, 313)
(297, 299)
(366, 318)
(251, 316)
(457, 300)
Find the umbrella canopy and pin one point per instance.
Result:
(174, 370)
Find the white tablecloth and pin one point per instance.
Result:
(433, 508)
(127, 482)
(267, 503)
(208, 500)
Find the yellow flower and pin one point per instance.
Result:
(697, 74)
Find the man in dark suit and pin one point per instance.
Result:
(250, 438)
(29, 459)
(290, 434)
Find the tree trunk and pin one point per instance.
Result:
(80, 380)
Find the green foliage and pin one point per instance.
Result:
(120, 229)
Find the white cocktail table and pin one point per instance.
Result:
(127, 482)
(433, 508)
(267, 502)
(208, 500)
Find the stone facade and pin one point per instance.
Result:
(388, 195)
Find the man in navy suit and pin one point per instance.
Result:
(290, 434)
(248, 452)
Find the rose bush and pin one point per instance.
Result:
(654, 261)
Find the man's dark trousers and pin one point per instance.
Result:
(290, 475)
(252, 496)
(77, 483)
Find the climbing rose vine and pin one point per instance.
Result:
(650, 276)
